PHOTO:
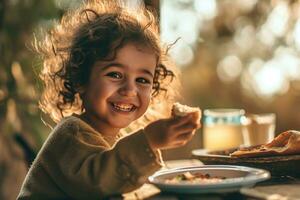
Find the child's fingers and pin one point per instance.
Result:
(187, 127)
(178, 120)
(185, 136)
(188, 119)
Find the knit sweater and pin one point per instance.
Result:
(77, 162)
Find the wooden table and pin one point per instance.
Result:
(276, 188)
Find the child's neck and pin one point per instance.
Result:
(98, 125)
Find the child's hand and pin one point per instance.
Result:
(172, 132)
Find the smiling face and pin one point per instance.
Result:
(119, 91)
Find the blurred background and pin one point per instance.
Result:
(232, 54)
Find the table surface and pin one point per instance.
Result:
(285, 187)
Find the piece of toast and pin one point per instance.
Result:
(286, 143)
(182, 110)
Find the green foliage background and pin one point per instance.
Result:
(19, 84)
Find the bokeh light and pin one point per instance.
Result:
(262, 39)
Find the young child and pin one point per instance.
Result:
(105, 73)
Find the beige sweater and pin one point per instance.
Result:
(76, 162)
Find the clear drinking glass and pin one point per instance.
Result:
(222, 128)
(258, 128)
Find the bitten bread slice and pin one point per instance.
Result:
(286, 143)
(182, 110)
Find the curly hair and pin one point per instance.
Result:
(95, 31)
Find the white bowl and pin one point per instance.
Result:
(236, 177)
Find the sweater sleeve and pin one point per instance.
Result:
(83, 168)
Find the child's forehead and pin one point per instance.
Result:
(131, 55)
(142, 46)
(127, 50)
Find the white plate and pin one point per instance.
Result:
(285, 165)
(236, 178)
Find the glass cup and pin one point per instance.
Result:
(222, 128)
(258, 128)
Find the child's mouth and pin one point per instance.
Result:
(123, 107)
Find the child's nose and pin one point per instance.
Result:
(128, 89)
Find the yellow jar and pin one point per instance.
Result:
(222, 128)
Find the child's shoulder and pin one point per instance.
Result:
(71, 124)
(73, 127)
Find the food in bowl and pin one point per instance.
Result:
(198, 177)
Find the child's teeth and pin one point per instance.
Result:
(123, 107)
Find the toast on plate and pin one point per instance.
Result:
(285, 143)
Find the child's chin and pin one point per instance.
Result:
(122, 125)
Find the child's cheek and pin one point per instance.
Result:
(146, 92)
(147, 97)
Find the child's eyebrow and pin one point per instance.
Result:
(114, 64)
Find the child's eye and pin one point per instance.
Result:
(116, 75)
(143, 81)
